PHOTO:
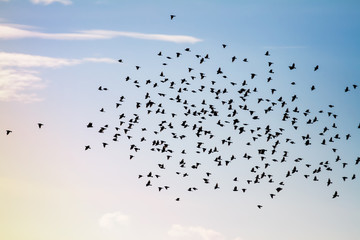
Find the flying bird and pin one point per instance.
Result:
(292, 67)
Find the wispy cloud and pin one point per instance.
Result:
(113, 220)
(19, 76)
(47, 2)
(198, 233)
(180, 232)
(31, 61)
(9, 31)
(17, 84)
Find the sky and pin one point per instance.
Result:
(54, 55)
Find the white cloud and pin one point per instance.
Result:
(194, 233)
(113, 220)
(31, 61)
(18, 78)
(99, 60)
(47, 2)
(18, 32)
(161, 37)
(180, 232)
(15, 84)
(10, 31)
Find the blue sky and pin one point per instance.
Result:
(55, 54)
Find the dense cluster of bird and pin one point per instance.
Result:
(200, 122)
(213, 121)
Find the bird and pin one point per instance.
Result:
(40, 125)
(335, 195)
(292, 67)
(172, 17)
(316, 67)
(87, 147)
(8, 132)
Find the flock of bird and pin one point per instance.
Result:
(201, 122)
(197, 125)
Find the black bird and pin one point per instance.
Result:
(148, 184)
(292, 66)
(335, 194)
(40, 125)
(267, 53)
(8, 132)
(329, 182)
(172, 17)
(316, 67)
(87, 147)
